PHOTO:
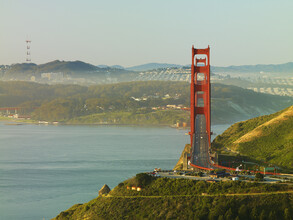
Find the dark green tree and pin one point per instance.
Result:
(229, 214)
(288, 215)
(263, 215)
(254, 213)
(259, 176)
(242, 212)
(143, 179)
(221, 217)
(272, 215)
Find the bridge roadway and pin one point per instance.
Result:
(200, 149)
(200, 157)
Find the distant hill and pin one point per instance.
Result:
(114, 66)
(151, 66)
(63, 66)
(75, 66)
(270, 68)
(54, 66)
(117, 67)
(266, 68)
(267, 138)
(229, 103)
(79, 69)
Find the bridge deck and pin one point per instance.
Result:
(200, 147)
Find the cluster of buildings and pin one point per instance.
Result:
(273, 90)
(166, 96)
(178, 107)
(273, 85)
(155, 96)
(135, 188)
(17, 116)
(168, 74)
(173, 74)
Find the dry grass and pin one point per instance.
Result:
(258, 131)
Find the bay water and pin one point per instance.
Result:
(45, 169)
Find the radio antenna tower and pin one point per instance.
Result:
(28, 50)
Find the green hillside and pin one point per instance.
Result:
(162, 198)
(266, 139)
(81, 104)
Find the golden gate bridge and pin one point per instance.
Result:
(201, 156)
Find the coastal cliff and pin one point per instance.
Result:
(179, 164)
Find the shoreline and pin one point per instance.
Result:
(110, 124)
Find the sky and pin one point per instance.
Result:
(134, 32)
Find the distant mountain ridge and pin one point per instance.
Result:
(113, 66)
(151, 66)
(78, 66)
(24, 71)
(54, 66)
(271, 68)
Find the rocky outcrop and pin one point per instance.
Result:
(179, 165)
(104, 190)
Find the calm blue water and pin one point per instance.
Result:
(47, 169)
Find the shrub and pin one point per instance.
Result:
(143, 179)
(120, 184)
(259, 176)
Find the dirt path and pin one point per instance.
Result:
(205, 195)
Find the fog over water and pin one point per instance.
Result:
(47, 169)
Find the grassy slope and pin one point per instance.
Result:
(268, 138)
(186, 201)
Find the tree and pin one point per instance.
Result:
(259, 176)
(203, 213)
(221, 217)
(287, 214)
(272, 215)
(263, 215)
(229, 214)
(253, 213)
(243, 214)
(143, 179)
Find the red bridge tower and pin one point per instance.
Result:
(200, 101)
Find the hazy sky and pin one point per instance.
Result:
(132, 32)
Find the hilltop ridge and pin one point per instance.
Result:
(67, 69)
